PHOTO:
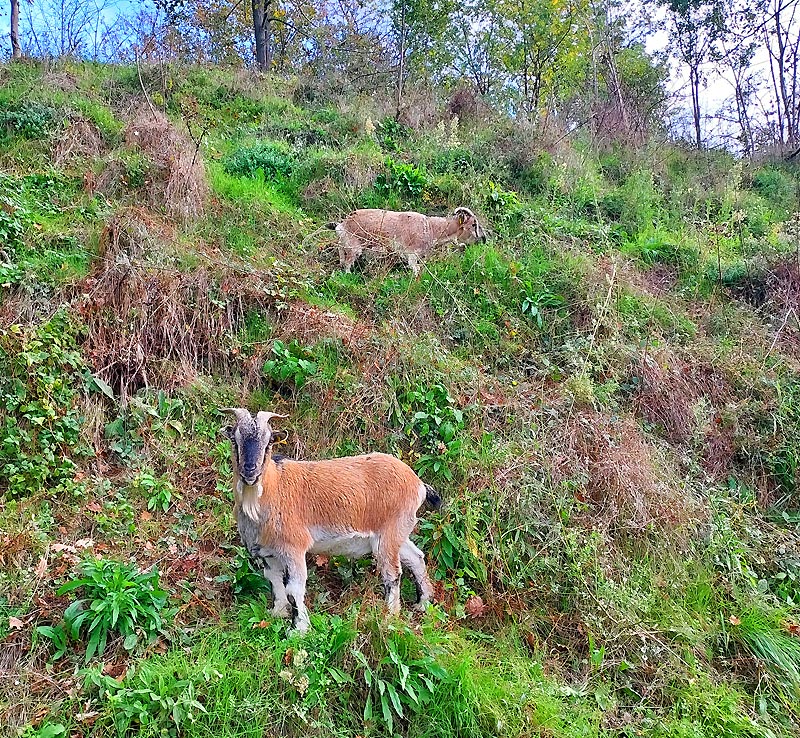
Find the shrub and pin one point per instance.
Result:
(402, 179)
(273, 159)
(116, 599)
(41, 375)
(390, 133)
(28, 119)
(431, 421)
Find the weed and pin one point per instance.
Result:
(270, 158)
(401, 682)
(159, 492)
(292, 366)
(431, 421)
(116, 599)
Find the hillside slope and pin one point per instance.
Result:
(607, 394)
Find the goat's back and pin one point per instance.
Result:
(351, 493)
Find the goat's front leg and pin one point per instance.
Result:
(297, 574)
(275, 572)
(389, 566)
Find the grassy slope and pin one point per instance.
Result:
(606, 394)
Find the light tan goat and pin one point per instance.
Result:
(353, 506)
(410, 235)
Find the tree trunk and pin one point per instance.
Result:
(16, 50)
(694, 80)
(260, 27)
(401, 65)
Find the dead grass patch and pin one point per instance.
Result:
(81, 139)
(180, 184)
(310, 324)
(624, 482)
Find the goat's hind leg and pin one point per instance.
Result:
(414, 560)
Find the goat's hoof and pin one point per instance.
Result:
(421, 606)
(299, 630)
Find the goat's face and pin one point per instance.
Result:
(251, 438)
(469, 230)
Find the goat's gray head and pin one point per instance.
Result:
(250, 437)
(470, 230)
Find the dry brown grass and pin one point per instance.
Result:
(80, 139)
(181, 182)
(625, 484)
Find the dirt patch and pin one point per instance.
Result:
(179, 182)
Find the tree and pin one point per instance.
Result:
(418, 28)
(695, 26)
(542, 46)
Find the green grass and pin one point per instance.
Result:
(557, 615)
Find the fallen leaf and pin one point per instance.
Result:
(113, 669)
(475, 607)
(288, 656)
(262, 624)
(84, 543)
(146, 515)
(41, 567)
(793, 628)
(734, 620)
(321, 560)
(87, 717)
(15, 623)
(94, 507)
(59, 547)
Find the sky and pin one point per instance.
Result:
(715, 92)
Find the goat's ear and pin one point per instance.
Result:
(228, 431)
(279, 437)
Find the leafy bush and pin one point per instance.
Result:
(390, 133)
(28, 119)
(116, 599)
(431, 421)
(402, 179)
(273, 159)
(293, 364)
(41, 375)
(500, 203)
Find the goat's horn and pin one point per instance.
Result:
(263, 417)
(242, 415)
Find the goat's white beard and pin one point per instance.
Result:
(249, 505)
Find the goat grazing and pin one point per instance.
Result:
(353, 506)
(411, 235)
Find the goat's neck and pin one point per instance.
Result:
(443, 229)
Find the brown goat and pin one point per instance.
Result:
(411, 235)
(354, 506)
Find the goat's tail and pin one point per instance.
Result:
(432, 497)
